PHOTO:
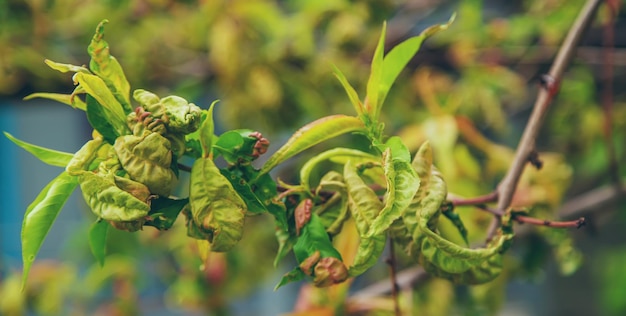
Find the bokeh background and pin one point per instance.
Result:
(469, 91)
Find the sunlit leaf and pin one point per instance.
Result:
(313, 134)
(352, 94)
(95, 87)
(372, 100)
(66, 67)
(399, 57)
(68, 99)
(41, 214)
(104, 65)
(49, 156)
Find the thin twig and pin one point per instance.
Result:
(526, 146)
(554, 224)
(479, 200)
(391, 261)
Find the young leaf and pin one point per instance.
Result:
(372, 104)
(108, 68)
(206, 131)
(352, 94)
(98, 119)
(66, 67)
(68, 99)
(400, 56)
(255, 205)
(313, 134)
(98, 89)
(49, 156)
(314, 238)
(40, 216)
(97, 240)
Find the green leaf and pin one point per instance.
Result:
(164, 212)
(108, 68)
(41, 214)
(314, 238)
(352, 94)
(456, 221)
(49, 156)
(66, 67)
(365, 207)
(313, 134)
(94, 86)
(68, 99)
(356, 156)
(98, 119)
(399, 152)
(372, 100)
(206, 131)
(97, 240)
(402, 184)
(255, 205)
(400, 56)
(292, 276)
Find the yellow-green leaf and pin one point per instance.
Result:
(66, 67)
(95, 87)
(313, 134)
(68, 99)
(352, 94)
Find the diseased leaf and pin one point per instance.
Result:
(66, 67)
(372, 100)
(217, 211)
(402, 184)
(97, 240)
(104, 65)
(164, 212)
(449, 213)
(400, 56)
(313, 134)
(365, 207)
(108, 199)
(94, 86)
(336, 153)
(68, 99)
(41, 214)
(48, 156)
(352, 94)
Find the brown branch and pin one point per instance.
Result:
(479, 200)
(526, 146)
(554, 224)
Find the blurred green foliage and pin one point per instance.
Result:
(270, 63)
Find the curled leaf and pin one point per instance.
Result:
(402, 184)
(68, 99)
(302, 214)
(110, 202)
(104, 65)
(147, 160)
